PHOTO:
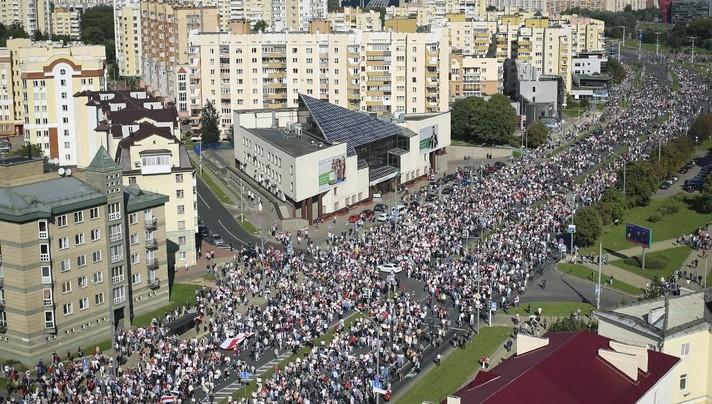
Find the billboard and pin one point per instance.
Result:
(428, 138)
(639, 235)
(332, 171)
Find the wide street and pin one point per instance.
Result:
(219, 220)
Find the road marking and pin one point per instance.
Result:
(201, 198)
(228, 232)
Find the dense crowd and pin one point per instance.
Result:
(285, 301)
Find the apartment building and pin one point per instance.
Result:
(165, 26)
(65, 22)
(354, 18)
(294, 15)
(524, 5)
(423, 14)
(67, 280)
(44, 77)
(559, 6)
(152, 158)
(587, 34)
(8, 125)
(378, 72)
(127, 37)
(679, 326)
(686, 11)
(472, 37)
(472, 76)
(31, 14)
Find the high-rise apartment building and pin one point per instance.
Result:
(524, 5)
(33, 15)
(127, 37)
(686, 11)
(559, 6)
(8, 125)
(42, 82)
(474, 76)
(379, 72)
(81, 255)
(165, 26)
(354, 18)
(65, 22)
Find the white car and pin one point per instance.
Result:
(390, 268)
(383, 217)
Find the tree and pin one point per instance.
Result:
(640, 182)
(260, 26)
(701, 129)
(97, 28)
(209, 120)
(14, 30)
(35, 150)
(537, 134)
(611, 206)
(616, 70)
(707, 195)
(478, 121)
(588, 226)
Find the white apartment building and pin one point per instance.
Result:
(526, 5)
(379, 72)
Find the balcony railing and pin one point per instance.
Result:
(152, 263)
(44, 234)
(151, 244)
(115, 237)
(117, 279)
(114, 215)
(119, 299)
(154, 283)
(116, 258)
(44, 257)
(151, 224)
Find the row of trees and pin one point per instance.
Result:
(642, 178)
(480, 121)
(97, 28)
(628, 18)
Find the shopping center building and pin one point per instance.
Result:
(320, 158)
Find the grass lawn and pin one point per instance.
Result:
(573, 111)
(180, 295)
(672, 258)
(214, 188)
(252, 386)
(462, 143)
(685, 221)
(584, 272)
(249, 227)
(456, 369)
(556, 309)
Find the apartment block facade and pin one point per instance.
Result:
(127, 37)
(67, 276)
(8, 125)
(354, 18)
(33, 15)
(44, 77)
(65, 22)
(377, 72)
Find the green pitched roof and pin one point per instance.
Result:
(102, 162)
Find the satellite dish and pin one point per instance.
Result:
(61, 171)
(69, 172)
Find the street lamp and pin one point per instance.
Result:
(378, 352)
(259, 211)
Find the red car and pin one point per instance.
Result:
(354, 218)
(367, 213)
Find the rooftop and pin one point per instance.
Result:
(146, 130)
(138, 199)
(288, 141)
(570, 369)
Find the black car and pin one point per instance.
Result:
(380, 207)
(665, 185)
(203, 230)
(499, 165)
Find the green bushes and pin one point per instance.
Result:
(655, 217)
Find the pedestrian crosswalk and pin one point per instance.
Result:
(223, 393)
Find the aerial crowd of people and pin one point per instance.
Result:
(349, 325)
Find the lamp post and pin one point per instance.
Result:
(378, 352)
(262, 240)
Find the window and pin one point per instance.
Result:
(179, 177)
(47, 297)
(133, 218)
(117, 253)
(181, 225)
(117, 274)
(66, 286)
(99, 298)
(82, 281)
(115, 232)
(83, 303)
(81, 260)
(98, 277)
(179, 193)
(68, 309)
(65, 265)
(132, 180)
(156, 160)
(685, 350)
(133, 239)
(63, 243)
(683, 382)
(95, 235)
(43, 230)
(46, 274)
(181, 240)
(114, 211)
(96, 256)
(181, 209)
(135, 279)
(78, 217)
(79, 239)
(94, 213)
(135, 258)
(49, 319)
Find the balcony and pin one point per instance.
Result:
(151, 244)
(117, 258)
(154, 283)
(115, 237)
(151, 223)
(119, 299)
(152, 263)
(44, 257)
(117, 279)
(114, 216)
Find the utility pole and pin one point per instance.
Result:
(657, 43)
(619, 51)
(624, 27)
(640, 44)
(692, 39)
(600, 269)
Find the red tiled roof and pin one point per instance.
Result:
(568, 370)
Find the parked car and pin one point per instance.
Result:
(354, 218)
(5, 146)
(380, 207)
(665, 185)
(390, 268)
(217, 240)
(367, 213)
(203, 230)
(400, 208)
(383, 217)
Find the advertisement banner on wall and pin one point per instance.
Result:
(428, 139)
(332, 171)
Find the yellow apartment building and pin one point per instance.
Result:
(127, 38)
(65, 22)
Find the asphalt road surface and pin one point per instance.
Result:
(219, 220)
